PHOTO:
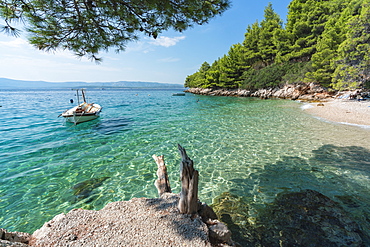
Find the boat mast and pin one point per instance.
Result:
(78, 97)
(83, 95)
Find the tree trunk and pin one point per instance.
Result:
(188, 203)
(162, 183)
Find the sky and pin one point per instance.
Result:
(168, 59)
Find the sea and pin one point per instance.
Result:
(248, 147)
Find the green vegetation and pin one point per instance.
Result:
(86, 27)
(323, 41)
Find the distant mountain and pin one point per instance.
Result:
(18, 84)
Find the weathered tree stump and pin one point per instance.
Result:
(162, 183)
(188, 203)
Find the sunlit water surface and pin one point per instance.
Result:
(249, 147)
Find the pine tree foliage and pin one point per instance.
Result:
(266, 46)
(251, 38)
(323, 41)
(89, 26)
(353, 64)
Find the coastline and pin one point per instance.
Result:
(118, 229)
(342, 111)
(340, 107)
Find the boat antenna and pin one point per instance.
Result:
(83, 95)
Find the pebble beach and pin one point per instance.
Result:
(343, 111)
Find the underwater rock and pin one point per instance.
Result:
(84, 189)
(306, 218)
(233, 211)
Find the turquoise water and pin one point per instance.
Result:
(249, 147)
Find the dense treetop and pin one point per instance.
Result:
(323, 41)
(89, 26)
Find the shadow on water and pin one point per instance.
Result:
(353, 158)
(323, 198)
(112, 125)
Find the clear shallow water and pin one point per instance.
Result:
(249, 147)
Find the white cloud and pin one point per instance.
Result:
(138, 46)
(166, 41)
(19, 60)
(19, 46)
(145, 45)
(14, 43)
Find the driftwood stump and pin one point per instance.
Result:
(162, 183)
(188, 203)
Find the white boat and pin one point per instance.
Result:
(82, 112)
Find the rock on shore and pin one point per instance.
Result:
(138, 222)
(310, 91)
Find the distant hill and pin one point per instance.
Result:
(18, 84)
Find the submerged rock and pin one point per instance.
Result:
(306, 218)
(84, 189)
(233, 211)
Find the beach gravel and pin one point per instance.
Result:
(138, 222)
(343, 111)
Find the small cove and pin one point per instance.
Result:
(251, 148)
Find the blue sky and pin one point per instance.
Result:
(168, 59)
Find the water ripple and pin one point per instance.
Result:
(250, 147)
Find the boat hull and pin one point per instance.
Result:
(82, 113)
(80, 119)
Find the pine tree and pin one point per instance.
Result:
(232, 67)
(306, 22)
(353, 64)
(250, 43)
(322, 62)
(87, 27)
(266, 43)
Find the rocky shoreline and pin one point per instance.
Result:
(349, 107)
(304, 92)
(310, 91)
(138, 222)
(305, 218)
